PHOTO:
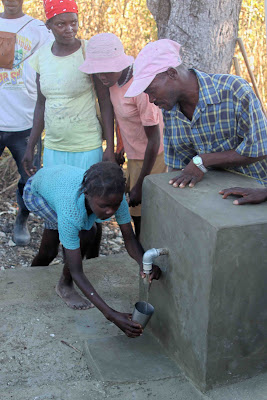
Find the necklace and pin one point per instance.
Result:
(127, 77)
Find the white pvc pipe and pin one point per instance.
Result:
(149, 256)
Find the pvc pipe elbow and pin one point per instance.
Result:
(149, 256)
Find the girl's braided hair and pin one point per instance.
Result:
(103, 179)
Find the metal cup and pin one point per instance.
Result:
(142, 313)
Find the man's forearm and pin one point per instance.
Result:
(227, 159)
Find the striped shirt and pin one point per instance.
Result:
(228, 116)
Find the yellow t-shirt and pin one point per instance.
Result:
(71, 122)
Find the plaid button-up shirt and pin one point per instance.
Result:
(228, 116)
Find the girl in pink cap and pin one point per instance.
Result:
(140, 122)
(65, 106)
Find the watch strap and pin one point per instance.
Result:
(200, 165)
(202, 168)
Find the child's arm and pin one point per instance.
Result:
(107, 116)
(122, 320)
(37, 129)
(135, 250)
(153, 137)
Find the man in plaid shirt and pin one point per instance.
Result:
(211, 120)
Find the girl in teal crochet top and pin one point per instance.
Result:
(71, 200)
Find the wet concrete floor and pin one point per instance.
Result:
(49, 351)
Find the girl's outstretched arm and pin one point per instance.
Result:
(121, 320)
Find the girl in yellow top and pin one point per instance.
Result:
(66, 103)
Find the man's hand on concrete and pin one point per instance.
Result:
(253, 196)
(189, 176)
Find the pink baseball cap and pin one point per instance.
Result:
(105, 53)
(154, 58)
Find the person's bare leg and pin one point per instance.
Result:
(48, 249)
(65, 289)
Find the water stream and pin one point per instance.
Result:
(146, 292)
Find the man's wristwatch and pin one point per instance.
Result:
(197, 160)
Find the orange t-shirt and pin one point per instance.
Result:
(132, 115)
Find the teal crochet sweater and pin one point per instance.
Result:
(59, 186)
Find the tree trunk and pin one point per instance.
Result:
(207, 30)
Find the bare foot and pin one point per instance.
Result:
(72, 298)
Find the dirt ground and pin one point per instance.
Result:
(12, 256)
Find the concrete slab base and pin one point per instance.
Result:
(36, 365)
(122, 360)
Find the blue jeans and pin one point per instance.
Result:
(16, 142)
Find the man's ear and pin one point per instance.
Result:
(172, 73)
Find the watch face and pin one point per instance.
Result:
(197, 160)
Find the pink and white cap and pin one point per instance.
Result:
(105, 53)
(154, 58)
